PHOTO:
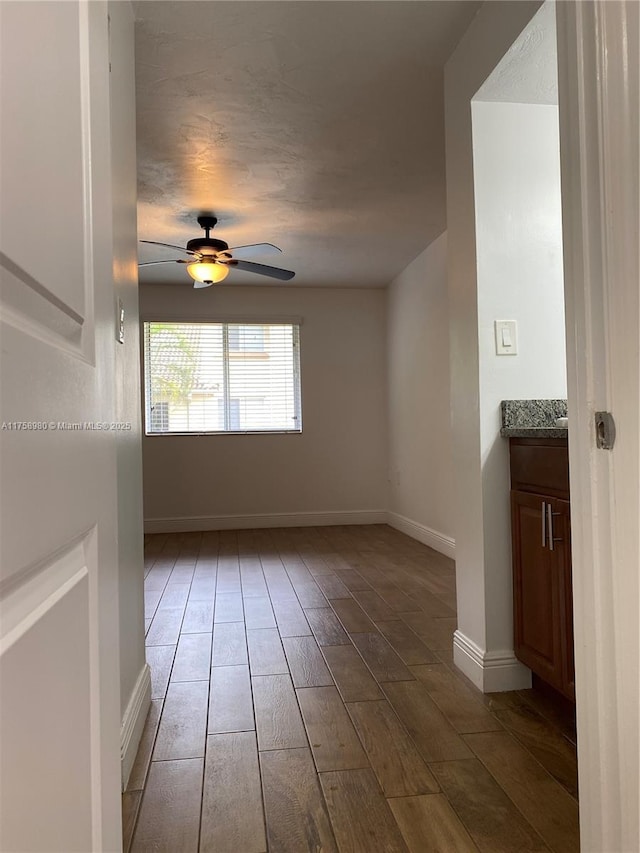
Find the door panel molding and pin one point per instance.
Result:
(50, 721)
(27, 594)
(48, 278)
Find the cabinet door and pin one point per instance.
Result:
(537, 594)
(562, 558)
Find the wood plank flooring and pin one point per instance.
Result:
(304, 698)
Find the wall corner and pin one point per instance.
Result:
(491, 672)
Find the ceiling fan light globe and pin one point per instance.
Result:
(207, 271)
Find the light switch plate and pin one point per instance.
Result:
(506, 337)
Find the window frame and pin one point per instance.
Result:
(294, 322)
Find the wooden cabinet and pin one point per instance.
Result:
(541, 536)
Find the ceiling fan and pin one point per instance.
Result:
(212, 259)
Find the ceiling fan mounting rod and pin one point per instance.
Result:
(208, 223)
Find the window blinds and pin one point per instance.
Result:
(222, 377)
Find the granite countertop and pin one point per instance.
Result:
(532, 418)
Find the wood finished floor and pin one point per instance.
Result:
(304, 698)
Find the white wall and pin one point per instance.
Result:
(516, 168)
(491, 34)
(134, 678)
(337, 464)
(420, 463)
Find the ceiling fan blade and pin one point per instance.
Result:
(260, 269)
(170, 246)
(197, 285)
(168, 261)
(256, 250)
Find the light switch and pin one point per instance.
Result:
(506, 337)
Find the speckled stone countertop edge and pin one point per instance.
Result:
(532, 418)
(534, 432)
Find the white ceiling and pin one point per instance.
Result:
(317, 126)
(528, 72)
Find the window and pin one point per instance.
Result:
(160, 417)
(222, 377)
(246, 338)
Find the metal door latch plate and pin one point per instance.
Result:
(605, 430)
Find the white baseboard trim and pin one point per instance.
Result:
(133, 722)
(491, 672)
(244, 522)
(438, 541)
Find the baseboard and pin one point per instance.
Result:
(438, 541)
(248, 522)
(491, 672)
(133, 722)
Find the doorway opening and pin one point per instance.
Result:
(523, 364)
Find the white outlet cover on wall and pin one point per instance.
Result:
(506, 337)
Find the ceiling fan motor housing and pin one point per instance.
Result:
(207, 245)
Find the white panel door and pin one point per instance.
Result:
(599, 95)
(59, 670)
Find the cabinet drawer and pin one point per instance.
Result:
(540, 466)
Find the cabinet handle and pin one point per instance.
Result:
(544, 531)
(552, 538)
